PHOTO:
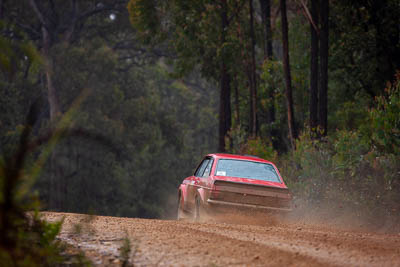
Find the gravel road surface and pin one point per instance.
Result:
(177, 243)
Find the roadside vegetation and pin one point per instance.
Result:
(26, 239)
(351, 171)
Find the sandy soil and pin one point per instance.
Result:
(177, 243)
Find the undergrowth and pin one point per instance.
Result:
(26, 239)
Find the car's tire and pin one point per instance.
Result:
(198, 210)
(180, 213)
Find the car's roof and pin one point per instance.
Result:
(240, 157)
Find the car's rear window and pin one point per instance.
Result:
(247, 169)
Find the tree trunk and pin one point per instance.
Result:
(55, 190)
(268, 53)
(253, 78)
(314, 69)
(225, 107)
(52, 96)
(266, 19)
(237, 107)
(1, 9)
(225, 90)
(51, 90)
(286, 69)
(387, 39)
(323, 87)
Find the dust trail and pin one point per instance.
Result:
(337, 215)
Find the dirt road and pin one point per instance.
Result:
(176, 243)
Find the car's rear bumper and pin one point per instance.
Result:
(250, 206)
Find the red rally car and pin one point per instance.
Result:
(225, 180)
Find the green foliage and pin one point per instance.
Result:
(125, 251)
(239, 143)
(33, 243)
(363, 48)
(144, 18)
(15, 54)
(350, 151)
(19, 62)
(356, 166)
(342, 171)
(349, 115)
(139, 132)
(139, 114)
(25, 239)
(272, 84)
(385, 120)
(261, 149)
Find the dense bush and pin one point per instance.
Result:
(385, 120)
(357, 168)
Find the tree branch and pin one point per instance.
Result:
(71, 27)
(307, 14)
(34, 34)
(38, 12)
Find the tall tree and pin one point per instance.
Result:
(237, 105)
(323, 86)
(225, 89)
(266, 19)
(268, 55)
(253, 77)
(46, 44)
(314, 77)
(49, 24)
(288, 79)
(58, 22)
(197, 32)
(365, 44)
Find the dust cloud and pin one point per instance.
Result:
(326, 214)
(337, 215)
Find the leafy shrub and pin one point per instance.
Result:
(385, 119)
(307, 169)
(239, 143)
(343, 171)
(356, 168)
(349, 151)
(25, 239)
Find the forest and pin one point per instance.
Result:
(106, 105)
